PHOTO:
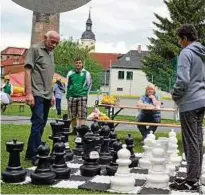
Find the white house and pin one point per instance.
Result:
(126, 76)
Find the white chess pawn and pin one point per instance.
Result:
(123, 181)
(157, 177)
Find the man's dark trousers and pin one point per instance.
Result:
(38, 119)
(192, 139)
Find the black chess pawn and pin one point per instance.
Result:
(90, 166)
(59, 166)
(112, 168)
(130, 145)
(82, 130)
(43, 174)
(14, 173)
(113, 137)
(105, 156)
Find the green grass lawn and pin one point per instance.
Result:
(21, 132)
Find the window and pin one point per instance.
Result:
(119, 89)
(129, 75)
(127, 58)
(121, 74)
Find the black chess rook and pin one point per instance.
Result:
(14, 173)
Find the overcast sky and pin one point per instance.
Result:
(119, 25)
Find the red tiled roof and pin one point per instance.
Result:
(10, 62)
(105, 59)
(13, 51)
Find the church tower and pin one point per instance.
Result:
(88, 37)
(43, 23)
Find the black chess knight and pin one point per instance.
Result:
(14, 173)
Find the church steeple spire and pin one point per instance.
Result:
(88, 37)
(89, 21)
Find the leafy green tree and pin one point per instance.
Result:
(65, 54)
(160, 64)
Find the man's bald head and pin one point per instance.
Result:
(51, 40)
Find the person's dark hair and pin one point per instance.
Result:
(187, 31)
(78, 59)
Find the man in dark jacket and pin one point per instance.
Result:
(189, 95)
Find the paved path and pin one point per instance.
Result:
(23, 120)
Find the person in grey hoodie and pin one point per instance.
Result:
(189, 94)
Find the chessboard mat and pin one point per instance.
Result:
(102, 182)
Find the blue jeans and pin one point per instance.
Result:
(58, 106)
(38, 121)
(150, 119)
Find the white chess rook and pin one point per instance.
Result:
(157, 177)
(123, 181)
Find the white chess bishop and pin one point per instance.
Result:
(144, 162)
(157, 177)
(123, 181)
(171, 164)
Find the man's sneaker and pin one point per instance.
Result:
(186, 185)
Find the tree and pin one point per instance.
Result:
(160, 64)
(65, 54)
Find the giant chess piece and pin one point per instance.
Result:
(56, 128)
(157, 177)
(59, 166)
(105, 156)
(144, 162)
(65, 131)
(82, 130)
(95, 128)
(130, 144)
(123, 181)
(90, 166)
(112, 168)
(43, 174)
(170, 166)
(14, 173)
(174, 158)
(113, 137)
